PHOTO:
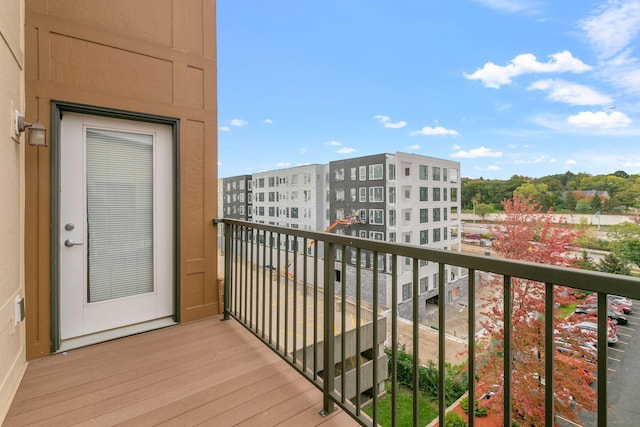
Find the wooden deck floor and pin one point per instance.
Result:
(205, 373)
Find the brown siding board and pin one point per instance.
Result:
(101, 44)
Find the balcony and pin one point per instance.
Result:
(312, 326)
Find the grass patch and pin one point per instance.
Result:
(426, 412)
(565, 311)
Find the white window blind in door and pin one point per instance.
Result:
(119, 179)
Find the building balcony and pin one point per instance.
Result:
(310, 337)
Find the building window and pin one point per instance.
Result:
(272, 181)
(424, 194)
(424, 237)
(407, 237)
(272, 211)
(407, 193)
(339, 174)
(376, 216)
(436, 214)
(392, 172)
(444, 194)
(424, 215)
(261, 197)
(392, 195)
(272, 196)
(294, 212)
(436, 194)
(444, 174)
(423, 172)
(340, 195)
(363, 234)
(362, 173)
(454, 194)
(444, 214)
(363, 194)
(424, 284)
(241, 185)
(407, 171)
(261, 211)
(392, 217)
(375, 171)
(392, 237)
(261, 183)
(376, 235)
(424, 263)
(407, 215)
(376, 194)
(354, 174)
(436, 235)
(362, 213)
(445, 235)
(406, 292)
(353, 193)
(436, 279)
(436, 173)
(241, 197)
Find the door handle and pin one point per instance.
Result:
(70, 242)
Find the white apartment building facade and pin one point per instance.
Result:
(293, 197)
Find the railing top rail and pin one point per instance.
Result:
(583, 279)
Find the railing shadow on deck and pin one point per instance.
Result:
(327, 303)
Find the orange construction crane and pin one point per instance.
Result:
(349, 220)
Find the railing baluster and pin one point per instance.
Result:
(374, 341)
(358, 337)
(508, 353)
(264, 282)
(603, 333)
(294, 282)
(305, 314)
(328, 363)
(549, 327)
(286, 295)
(441, 344)
(270, 305)
(278, 285)
(227, 230)
(394, 340)
(343, 321)
(471, 341)
(416, 342)
(315, 311)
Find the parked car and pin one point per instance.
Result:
(618, 317)
(592, 328)
(620, 303)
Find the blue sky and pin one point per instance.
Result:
(505, 87)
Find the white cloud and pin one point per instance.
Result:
(599, 119)
(510, 6)
(386, 121)
(570, 93)
(224, 128)
(570, 162)
(303, 151)
(438, 130)
(613, 28)
(238, 122)
(455, 147)
(283, 164)
(552, 160)
(494, 76)
(334, 143)
(413, 147)
(346, 150)
(531, 161)
(476, 152)
(267, 121)
(490, 168)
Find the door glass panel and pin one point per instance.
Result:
(119, 179)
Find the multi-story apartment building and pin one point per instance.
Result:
(404, 198)
(293, 197)
(237, 197)
(401, 197)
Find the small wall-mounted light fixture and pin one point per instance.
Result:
(37, 131)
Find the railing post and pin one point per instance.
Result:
(329, 366)
(227, 268)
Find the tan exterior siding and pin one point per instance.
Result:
(145, 56)
(12, 337)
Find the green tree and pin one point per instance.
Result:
(570, 201)
(595, 203)
(483, 209)
(612, 264)
(583, 205)
(625, 241)
(585, 262)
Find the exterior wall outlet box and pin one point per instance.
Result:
(18, 307)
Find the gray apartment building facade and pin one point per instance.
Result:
(237, 197)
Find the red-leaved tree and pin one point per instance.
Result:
(527, 233)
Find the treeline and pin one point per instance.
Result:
(580, 192)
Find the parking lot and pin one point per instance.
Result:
(623, 376)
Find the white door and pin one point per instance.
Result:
(116, 228)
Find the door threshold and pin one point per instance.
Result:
(98, 337)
